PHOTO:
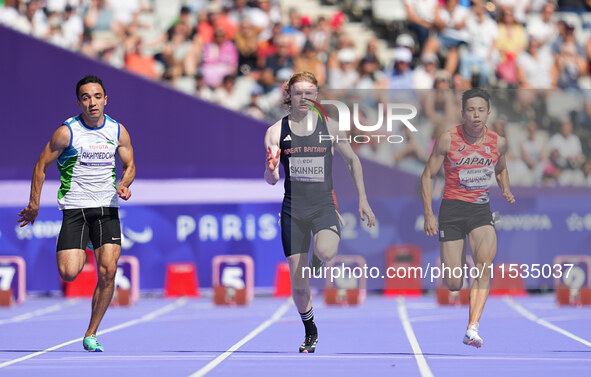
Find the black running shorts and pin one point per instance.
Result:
(99, 225)
(300, 219)
(458, 218)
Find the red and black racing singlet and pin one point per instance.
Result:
(306, 160)
(470, 168)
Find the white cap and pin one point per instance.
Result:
(405, 40)
(402, 54)
(346, 55)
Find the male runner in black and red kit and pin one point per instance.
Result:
(308, 205)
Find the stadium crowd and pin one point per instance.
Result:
(532, 54)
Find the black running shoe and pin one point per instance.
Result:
(309, 345)
(316, 265)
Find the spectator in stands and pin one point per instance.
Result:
(220, 58)
(98, 17)
(372, 51)
(342, 72)
(125, 17)
(36, 21)
(56, 35)
(184, 21)
(566, 35)
(72, 27)
(295, 21)
(411, 155)
(269, 47)
(308, 61)
(137, 61)
(203, 91)
(282, 58)
(247, 45)
(223, 21)
(570, 67)
(253, 109)
(87, 46)
(534, 152)
(511, 42)
(440, 106)
(176, 51)
(518, 171)
(294, 29)
(370, 76)
(481, 51)
(536, 72)
(450, 21)
(543, 29)
(566, 155)
(303, 35)
(264, 16)
(535, 68)
(206, 19)
(225, 94)
(9, 13)
(320, 37)
(402, 74)
(420, 16)
(568, 147)
(424, 74)
(336, 23)
(586, 173)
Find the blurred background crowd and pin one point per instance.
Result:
(533, 55)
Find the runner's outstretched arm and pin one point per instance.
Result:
(432, 167)
(54, 148)
(273, 152)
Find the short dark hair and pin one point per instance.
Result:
(475, 92)
(87, 80)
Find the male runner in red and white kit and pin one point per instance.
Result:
(470, 154)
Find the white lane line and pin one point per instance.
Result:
(38, 312)
(145, 318)
(412, 339)
(278, 356)
(215, 362)
(532, 317)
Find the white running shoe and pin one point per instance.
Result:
(472, 338)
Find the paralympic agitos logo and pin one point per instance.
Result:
(392, 114)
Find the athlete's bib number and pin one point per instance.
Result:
(306, 169)
(97, 155)
(476, 178)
